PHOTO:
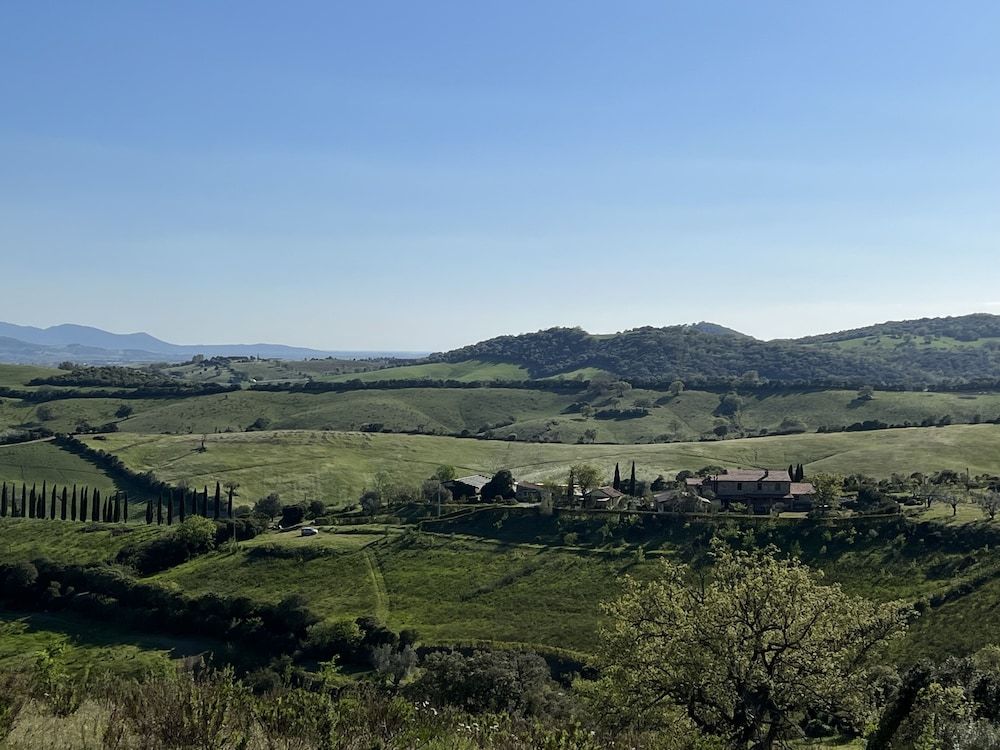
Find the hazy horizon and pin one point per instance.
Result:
(393, 176)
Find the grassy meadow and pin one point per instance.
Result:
(43, 461)
(336, 466)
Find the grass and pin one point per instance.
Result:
(336, 466)
(36, 462)
(17, 376)
(448, 589)
(466, 372)
(87, 644)
(66, 541)
(527, 415)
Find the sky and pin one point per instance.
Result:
(420, 176)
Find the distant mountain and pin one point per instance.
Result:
(897, 354)
(85, 344)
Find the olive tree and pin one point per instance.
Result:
(743, 655)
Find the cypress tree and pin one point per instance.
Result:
(23, 510)
(617, 482)
(125, 507)
(95, 508)
(569, 488)
(83, 497)
(204, 502)
(631, 482)
(183, 509)
(52, 507)
(218, 500)
(229, 503)
(65, 492)
(149, 511)
(159, 508)
(170, 507)
(118, 508)
(32, 499)
(40, 510)
(84, 500)
(3, 501)
(791, 472)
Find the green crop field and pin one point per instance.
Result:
(336, 466)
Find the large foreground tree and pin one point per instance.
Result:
(745, 651)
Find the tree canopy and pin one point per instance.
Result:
(745, 654)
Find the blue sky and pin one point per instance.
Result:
(424, 175)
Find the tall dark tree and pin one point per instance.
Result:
(569, 489)
(3, 501)
(218, 500)
(72, 507)
(631, 481)
(63, 500)
(149, 511)
(95, 506)
(23, 510)
(229, 501)
(40, 509)
(183, 509)
(800, 473)
(170, 507)
(84, 499)
(204, 502)
(617, 481)
(125, 507)
(159, 508)
(791, 472)
(32, 499)
(117, 512)
(52, 507)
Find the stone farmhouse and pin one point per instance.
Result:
(761, 489)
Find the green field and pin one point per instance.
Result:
(88, 645)
(44, 462)
(466, 372)
(336, 466)
(517, 414)
(66, 541)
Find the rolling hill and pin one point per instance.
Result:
(910, 354)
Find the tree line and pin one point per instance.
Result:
(83, 504)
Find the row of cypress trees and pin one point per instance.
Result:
(181, 503)
(84, 504)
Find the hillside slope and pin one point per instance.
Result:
(908, 354)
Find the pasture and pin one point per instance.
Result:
(337, 466)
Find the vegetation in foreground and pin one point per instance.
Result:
(696, 658)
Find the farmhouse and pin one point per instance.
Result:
(467, 488)
(602, 498)
(529, 492)
(759, 488)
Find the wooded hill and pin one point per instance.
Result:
(909, 354)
